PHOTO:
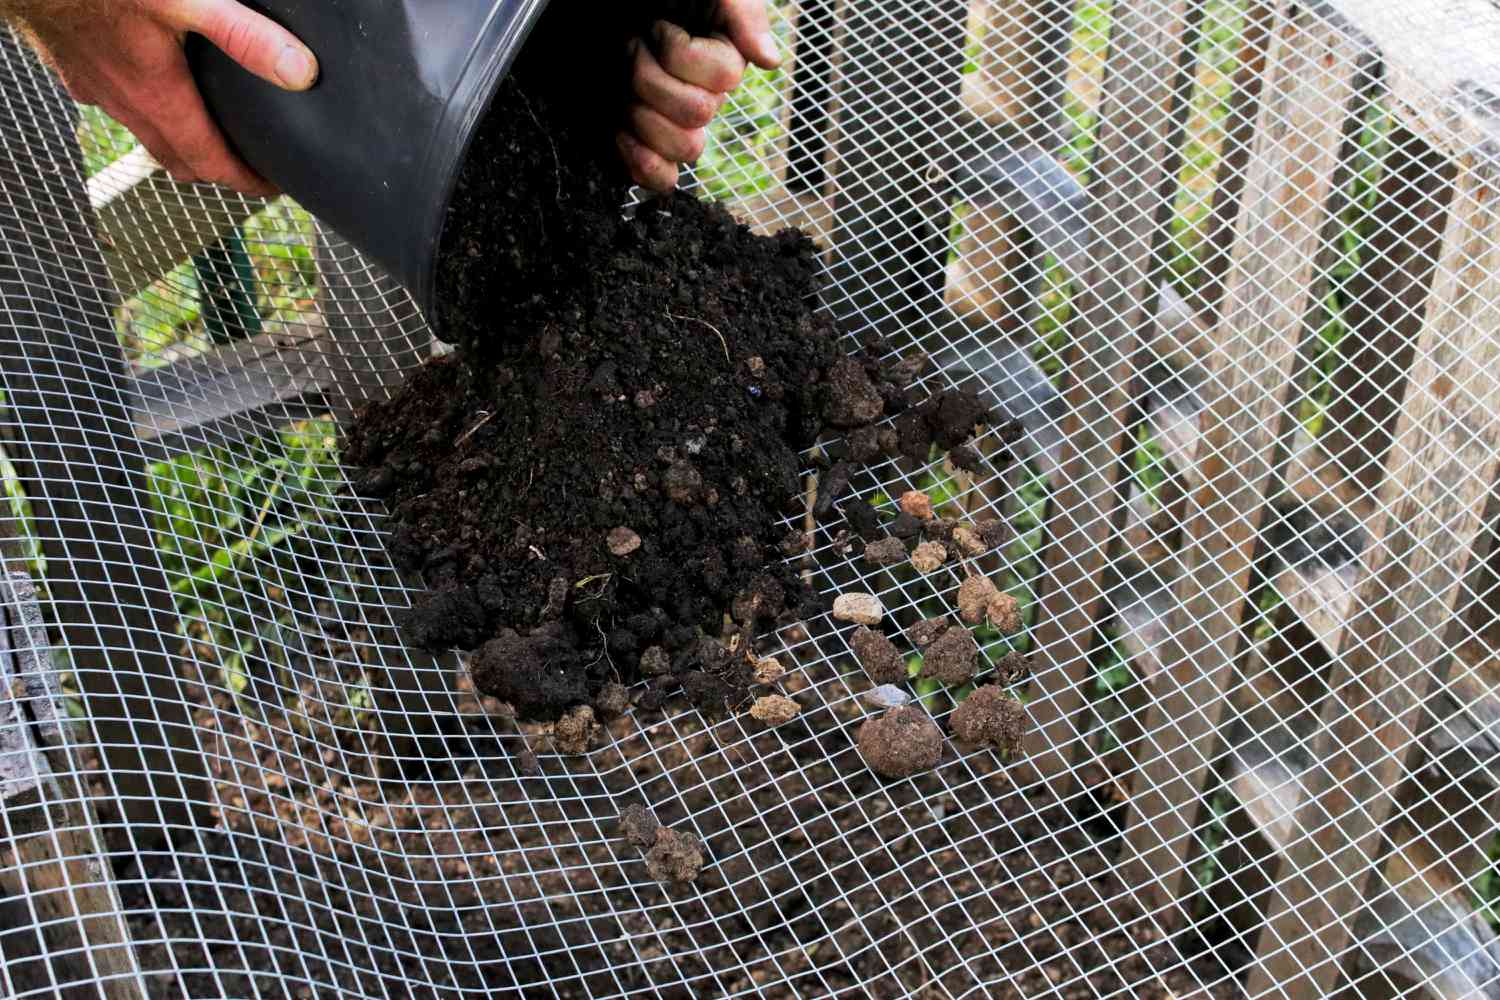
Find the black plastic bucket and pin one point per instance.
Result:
(375, 148)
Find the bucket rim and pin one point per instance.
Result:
(489, 60)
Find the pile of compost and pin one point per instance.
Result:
(594, 485)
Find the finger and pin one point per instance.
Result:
(749, 26)
(683, 103)
(665, 138)
(647, 168)
(178, 113)
(254, 41)
(711, 63)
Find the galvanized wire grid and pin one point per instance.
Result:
(1233, 268)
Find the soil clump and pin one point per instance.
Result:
(594, 478)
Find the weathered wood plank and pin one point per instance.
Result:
(1442, 67)
(811, 104)
(1016, 54)
(1385, 300)
(1143, 81)
(1426, 930)
(1288, 181)
(1012, 93)
(148, 223)
(1441, 470)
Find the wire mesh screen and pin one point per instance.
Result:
(1232, 265)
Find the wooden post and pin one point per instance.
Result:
(64, 378)
(1290, 177)
(1144, 83)
(1441, 470)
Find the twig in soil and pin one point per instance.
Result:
(556, 160)
(809, 521)
(488, 416)
(695, 319)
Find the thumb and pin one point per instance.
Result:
(748, 25)
(254, 41)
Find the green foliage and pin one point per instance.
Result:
(1486, 886)
(1215, 834)
(742, 142)
(229, 523)
(102, 139)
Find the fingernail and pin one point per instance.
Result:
(296, 68)
(769, 50)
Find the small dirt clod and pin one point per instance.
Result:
(861, 609)
(639, 826)
(902, 742)
(990, 717)
(917, 504)
(575, 731)
(655, 662)
(928, 557)
(676, 857)
(1004, 613)
(769, 670)
(968, 541)
(906, 526)
(856, 400)
(974, 597)
(613, 700)
(878, 655)
(952, 658)
(622, 541)
(925, 632)
(886, 552)
(774, 710)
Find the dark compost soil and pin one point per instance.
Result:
(652, 377)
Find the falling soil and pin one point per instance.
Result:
(597, 474)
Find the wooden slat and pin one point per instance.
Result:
(1442, 467)
(149, 223)
(1289, 178)
(1143, 75)
(811, 106)
(1441, 68)
(1012, 93)
(64, 378)
(898, 87)
(1385, 303)
(1426, 933)
(60, 869)
(1015, 56)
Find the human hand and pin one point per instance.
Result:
(126, 56)
(683, 83)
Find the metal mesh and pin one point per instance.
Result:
(1234, 266)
